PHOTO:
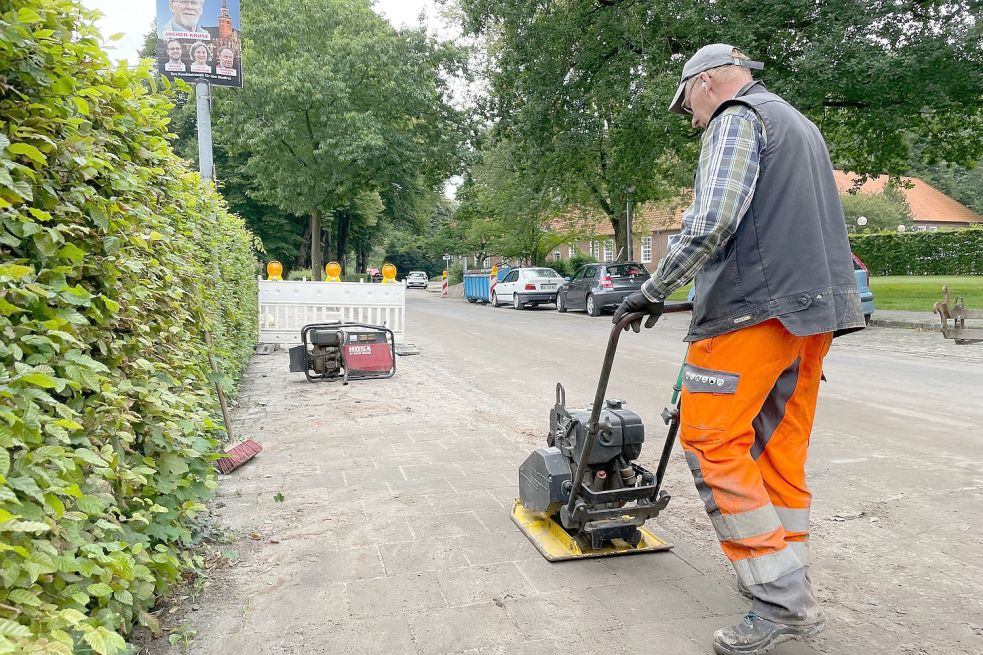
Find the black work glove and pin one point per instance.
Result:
(638, 302)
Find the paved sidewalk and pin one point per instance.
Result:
(394, 536)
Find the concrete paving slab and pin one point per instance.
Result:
(460, 629)
(482, 584)
(423, 555)
(561, 615)
(395, 595)
(655, 603)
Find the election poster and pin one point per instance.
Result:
(198, 40)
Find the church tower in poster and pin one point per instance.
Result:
(226, 35)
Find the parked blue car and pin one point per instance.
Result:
(862, 276)
(863, 286)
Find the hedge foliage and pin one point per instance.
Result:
(109, 249)
(948, 252)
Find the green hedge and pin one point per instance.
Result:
(948, 252)
(109, 251)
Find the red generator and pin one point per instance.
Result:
(350, 351)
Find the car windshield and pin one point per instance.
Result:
(619, 270)
(417, 274)
(541, 272)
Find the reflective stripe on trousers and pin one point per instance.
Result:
(748, 404)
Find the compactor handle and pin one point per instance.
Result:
(602, 388)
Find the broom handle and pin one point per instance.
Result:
(218, 387)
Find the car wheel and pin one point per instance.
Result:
(494, 299)
(561, 306)
(516, 303)
(867, 319)
(592, 308)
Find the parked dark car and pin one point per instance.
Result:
(599, 287)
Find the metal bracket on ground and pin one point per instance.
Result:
(957, 313)
(267, 348)
(403, 349)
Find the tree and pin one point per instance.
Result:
(883, 211)
(580, 88)
(343, 108)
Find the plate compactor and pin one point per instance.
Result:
(350, 351)
(584, 495)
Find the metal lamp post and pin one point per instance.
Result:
(628, 255)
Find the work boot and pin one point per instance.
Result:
(756, 636)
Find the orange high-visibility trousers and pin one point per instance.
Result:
(748, 403)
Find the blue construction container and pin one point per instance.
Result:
(476, 283)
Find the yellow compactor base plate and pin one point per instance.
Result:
(556, 544)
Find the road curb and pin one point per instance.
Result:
(910, 325)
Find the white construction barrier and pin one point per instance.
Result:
(286, 307)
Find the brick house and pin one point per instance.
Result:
(653, 225)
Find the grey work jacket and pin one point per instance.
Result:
(790, 256)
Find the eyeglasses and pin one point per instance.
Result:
(686, 106)
(188, 3)
(686, 95)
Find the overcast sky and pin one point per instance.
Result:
(133, 19)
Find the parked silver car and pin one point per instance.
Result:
(599, 287)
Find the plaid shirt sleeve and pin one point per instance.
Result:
(725, 180)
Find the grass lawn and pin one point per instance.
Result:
(681, 293)
(915, 292)
(920, 292)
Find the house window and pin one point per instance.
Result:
(556, 255)
(572, 249)
(646, 250)
(933, 228)
(595, 249)
(608, 250)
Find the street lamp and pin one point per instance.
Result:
(901, 229)
(862, 221)
(628, 255)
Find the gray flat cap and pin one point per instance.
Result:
(707, 57)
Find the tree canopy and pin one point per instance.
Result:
(580, 88)
(343, 118)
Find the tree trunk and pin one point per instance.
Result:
(619, 222)
(329, 238)
(344, 227)
(317, 262)
(305, 242)
(362, 261)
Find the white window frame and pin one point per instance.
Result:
(557, 255)
(646, 250)
(609, 250)
(595, 249)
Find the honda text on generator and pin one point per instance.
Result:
(350, 351)
(584, 495)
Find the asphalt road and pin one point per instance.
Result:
(896, 464)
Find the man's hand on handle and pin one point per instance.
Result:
(638, 302)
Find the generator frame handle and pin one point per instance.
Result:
(602, 387)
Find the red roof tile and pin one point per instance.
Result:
(927, 203)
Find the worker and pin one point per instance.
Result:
(766, 241)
